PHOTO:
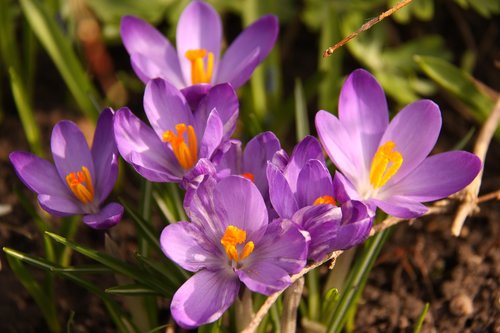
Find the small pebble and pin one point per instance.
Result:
(461, 305)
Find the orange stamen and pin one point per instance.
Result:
(80, 183)
(248, 175)
(232, 237)
(325, 200)
(385, 164)
(186, 153)
(198, 72)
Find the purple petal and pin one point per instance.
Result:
(222, 98)
(400, 206)
(60, 205)
(228, 160)
(140, 146)
(38, 175)
(280, 159)
(105, 155)
(151, 53)
(414, 130)
(108, 217)
(307, 149)
(204, 298)
(194, 94)
(186, 245)
(314, 181)
(260, 37)
(282, 197)
(364, 114)
(438, 176)
(202, 169)
(199, 27)
(337, 142)
(258, 151)
(212, 135)
(281, 252)
(355, 226)
(166, 107)
(70, 150)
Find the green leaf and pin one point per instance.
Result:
(132, 290)
(143, 227)
(421, 318)
(301, 120)
(58, 47)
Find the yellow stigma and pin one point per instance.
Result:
(186, 153)
(232, 237)
(324, 200)
(198, 72)
(385, 164)
(248, 175)
(81, 185)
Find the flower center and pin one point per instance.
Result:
(81, 185)
(385, 164)
(186, 153)
(198, 72)
(234, 236)
(325, 200)
(248, 175)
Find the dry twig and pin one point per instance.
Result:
(471, 192)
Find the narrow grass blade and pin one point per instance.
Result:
(301, 119)
(421, 318)
(132, 290)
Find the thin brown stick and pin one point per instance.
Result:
(495, 195)
(438, 207)
(471, 192)
(329, 51)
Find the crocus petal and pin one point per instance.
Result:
(228, 159)
(151, 53)
(166, 107)
(364, 114)
(314, 181)
(438, 176)
(199, 27)
(355, 226)
(186, 245)
(307, 149)
(202, 169)
(282, 251)
(60, 205)
(106, 218)
(204, 298)
(258, 151)
(258, 40)
(104, 153)
(400, 206)
(222, 98)
(140, 146)
(212, 135)
(194, 94)
(70, 150)
(37, 174)
(280, 194)
(414, 130)
(337, 142)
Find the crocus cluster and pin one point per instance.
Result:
(256, 214)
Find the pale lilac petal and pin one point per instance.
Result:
(400, 206)
(264, 277)
(59, 205)
(228, 159)
(337, 142)
(258, 151)
(242, 70)
(70, 150)
(187, 246)
(194, 94)
(314, 181)
(151, 53)
(343, 190)
(204, 298)
(280, 159)
(38, 175)
(222, 98)
(105, 155)
(106, 218)
(202, 169)
(355, 226)
(438, 176)
(212, 135)
(280, 194)
(307, 149)
(140, 146)
(166, 107)
(414, 130)
(261, 36)
(364, 114)
(199, 27)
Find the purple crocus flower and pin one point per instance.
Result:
(385, 164)
(229, 241)
(301, 188)
(196, 62)
(81, 179)
(180, 143)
